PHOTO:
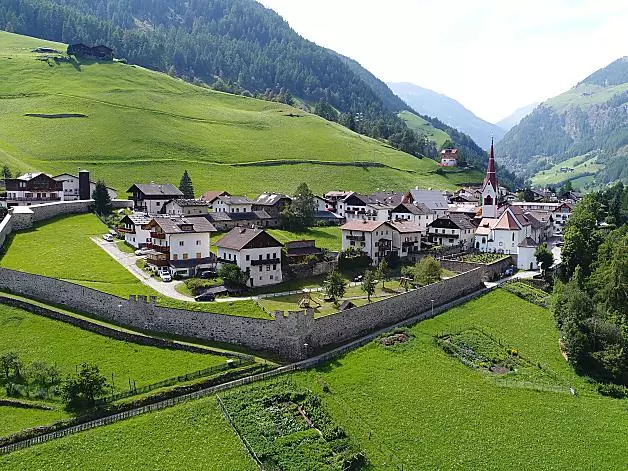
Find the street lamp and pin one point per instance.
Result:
(305, 346)
(432, 307)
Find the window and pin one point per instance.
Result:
(260, 269)
(199, 255)
(260, 256)
(271, 277)
(513, 236)
(248, 257)
(274, 267)
(198, 242)
(181, 243)
(185, 256)
(267, 256)
(267, 267)
(175, 256)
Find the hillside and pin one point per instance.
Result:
(516, 116)
(448, 110)
(142, 125)
(590, 121)
(425, 128)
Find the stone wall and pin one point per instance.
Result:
(285, 336)
(489, 270)
(6, 226)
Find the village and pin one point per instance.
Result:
(178, 238)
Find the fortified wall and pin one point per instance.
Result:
(291, 335)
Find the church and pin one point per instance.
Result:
(509, 229)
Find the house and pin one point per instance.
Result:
(100, 52)
(328, 218)
(180, 243)
(452, 230)
(353, 206)
(210, 196)
(526, 258)
(135, 230)
(449, 157)
(150, 198)
(381, 239)
(255, 252)
(272, 203)
(321, 204)
(227, 221)
(32, 188)
(434, 200)
(332, 198)
(298, 251)
(186, 207)
(71, 187)
(469, 209)
(417, 213)
(232, 204)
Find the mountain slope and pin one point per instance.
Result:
(448, 110)
(516, 116)
(425, 128)
(590, 121)
(141, 125)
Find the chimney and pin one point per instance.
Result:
(84, 185)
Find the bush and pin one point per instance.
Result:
(613, 390)
(196, 285)
(527, 292)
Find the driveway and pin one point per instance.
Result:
(520, 275)
(127, 260)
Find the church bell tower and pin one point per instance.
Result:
(490, 190)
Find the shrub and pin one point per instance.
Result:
(613, 390)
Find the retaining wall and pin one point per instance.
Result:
(489, 270)
(285, 336)
(6, 226)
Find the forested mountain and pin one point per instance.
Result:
(449, 111)
(516, 116)
(234, 45)
(583, 132)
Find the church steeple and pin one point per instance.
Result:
(490, 190)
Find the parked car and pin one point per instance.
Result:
(559, 243)
(509, 272)
(165, 276)
(207, 275)
(140, 252)
(206, 296)
(358, 277)
(108, 237)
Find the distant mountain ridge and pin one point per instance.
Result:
(448, 110)
(516, 116)
(587, 125)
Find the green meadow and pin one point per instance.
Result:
(141, 125)
(425, 127)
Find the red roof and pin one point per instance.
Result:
(507, 221)
(491, 176)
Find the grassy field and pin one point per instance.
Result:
(143, 126)
(192, 436)
(14, 419)
(61, 248)
(329, 238)
(413, 405)
(425, 127)
(584, 95)
(38, 338)
(553, 176)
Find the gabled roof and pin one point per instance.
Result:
(181, 225)
(238, 217)
(167, 190)
(435, 200)
(75, 177)
(228, 199)
(454, 221)
(187, 202)
(241, 238)
(528, 242)
(416, 208)
(30, 175)
(211, 196)
(363, 225)
(389, 198)
(405, 227)
(136, 219)
(270, 199)
(507, 221)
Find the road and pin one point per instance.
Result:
(127, 260)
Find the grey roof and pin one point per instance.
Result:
(390, 198)
(167, 190)
(228, 199)
(137, 219)
(248, 216)
(326, 215)
(528, 242)
(30, 175)
(185, 202)
(74, 176)
(270, 199)
(417, 208)
(238, 237)
(431, 198)
(176, 224)
(461, 221)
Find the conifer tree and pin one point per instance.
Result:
(186, 187)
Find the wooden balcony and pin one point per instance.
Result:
(266, 261)
(357, 238)
(125, 230)
(159, 248)
(158, 235)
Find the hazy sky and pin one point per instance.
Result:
(493, 56)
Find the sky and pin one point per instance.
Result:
(493, 56)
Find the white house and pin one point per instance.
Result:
(255, 252)
(184, 207)
(150, 198)
(434, 200)
(381, 239)
(71, 187)
(449, 157)
(452, 230)
(180, 243)
(417, 213)
(232, 204)
(135, 230)
(32, 188)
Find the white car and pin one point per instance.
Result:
(108, 237)
(165, 276)
(141, 252)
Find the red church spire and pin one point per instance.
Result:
(491, 176)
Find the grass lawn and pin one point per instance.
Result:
(424, 127)
(329, 238)
(14, 419)
(142, 125)
(191, 436)
(61, 248)
(413, 405)
(581, 165)
(38, 338)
